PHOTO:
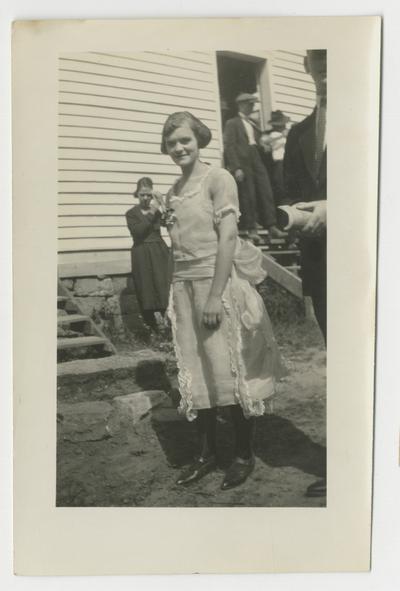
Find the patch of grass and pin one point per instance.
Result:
(282, 306)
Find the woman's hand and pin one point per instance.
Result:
(156, 203)
(153, 206)
(212, 313)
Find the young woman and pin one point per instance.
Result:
(226, 352)
(151, 261)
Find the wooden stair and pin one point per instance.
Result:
(282, 262)
(73, 319)
(78, 330)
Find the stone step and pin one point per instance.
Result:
(68, 343)
(99, 420)
(106, 377)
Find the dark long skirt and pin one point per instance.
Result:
(151, 270)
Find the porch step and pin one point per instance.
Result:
(278, 252)
(71, 343)
(61, 301)
(72, 319)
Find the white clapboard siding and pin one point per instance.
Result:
(162, 183)
(138, 63)
(89, 243)
(93, 142)
(128, 155)
(87, 108)
(81, 198)
(100, 122)
(90, 81)
(68, 212)
(135, 94)
(92, 232)
(73, 160)
(167, 59)
(81, 221)
(127, 105)
(109, 71)
(111, 112)
(113, 172)
(293, 90)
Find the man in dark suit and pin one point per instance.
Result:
(305, 181)
(242, 158)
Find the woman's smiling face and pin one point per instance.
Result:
(182, 146)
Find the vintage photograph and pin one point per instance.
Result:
(202, 380)
(191, 308)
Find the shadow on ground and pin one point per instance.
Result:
(278, 442)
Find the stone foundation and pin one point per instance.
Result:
(110, 301)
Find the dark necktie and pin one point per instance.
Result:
(320, 135)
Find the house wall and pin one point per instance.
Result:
(293, 90)
(111, 112)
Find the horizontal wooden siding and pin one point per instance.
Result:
(293, 90)
(111, 111)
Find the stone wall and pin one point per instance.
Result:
(110, 301)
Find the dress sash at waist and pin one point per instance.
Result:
(247, 262)
(192, 269)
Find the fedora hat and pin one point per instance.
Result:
(245, 97)
(278, 118)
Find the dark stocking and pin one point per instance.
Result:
(149, 318)
(244, 433)
(206, 423)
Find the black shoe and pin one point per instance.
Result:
(197, 470)
(238, 472)
(317, 489)
(255, 238)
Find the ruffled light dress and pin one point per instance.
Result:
(239, 362)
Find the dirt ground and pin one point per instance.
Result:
(139, 465)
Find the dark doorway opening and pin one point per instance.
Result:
(235, 75)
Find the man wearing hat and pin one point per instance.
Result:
(242, 158)
(305, 182)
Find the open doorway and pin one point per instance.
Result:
(236, 74)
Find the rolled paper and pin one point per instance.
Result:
(291, 218)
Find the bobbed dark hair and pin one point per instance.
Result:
(145, 181)
(201, 131)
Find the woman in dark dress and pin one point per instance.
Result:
(151, 262)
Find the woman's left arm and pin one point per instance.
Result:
(227, 237)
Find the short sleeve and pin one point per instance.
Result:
(224, 194)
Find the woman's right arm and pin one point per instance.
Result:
(141, 226)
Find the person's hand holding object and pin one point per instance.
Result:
(317, 222)
(157, 202)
